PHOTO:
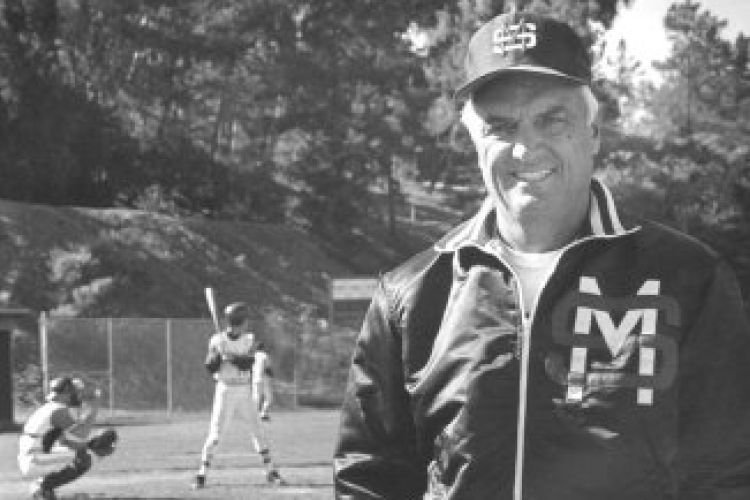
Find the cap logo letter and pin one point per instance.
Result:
(519, 36)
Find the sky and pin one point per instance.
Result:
(641, 25)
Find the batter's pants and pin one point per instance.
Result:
(232, 401)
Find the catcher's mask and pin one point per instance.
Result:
(236, 313)
(71, 386)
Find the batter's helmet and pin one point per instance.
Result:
(236, 313)
(66, 385)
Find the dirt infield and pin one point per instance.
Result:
(157, 457)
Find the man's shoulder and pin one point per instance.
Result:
(62, 417)
(412, 266)
(44, 409)
(426, 270)
(52, 407)
(660, 239)
(453, 238)
(56, 413)
(438, 255)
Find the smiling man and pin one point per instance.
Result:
(550, 348)
(535, 138)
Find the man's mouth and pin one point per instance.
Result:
(535, 176)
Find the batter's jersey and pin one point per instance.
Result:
(44, 427)
(223, 344)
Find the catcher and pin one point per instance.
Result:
(55, 443)
(230, 359)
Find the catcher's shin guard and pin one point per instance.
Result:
(81, 464)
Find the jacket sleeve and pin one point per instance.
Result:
(714, 430)
(376, 454)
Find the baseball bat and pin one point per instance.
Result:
(211, 302)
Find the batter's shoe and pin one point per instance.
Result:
(199, 482)
(265, 417)
(43, 494)
(273, 477)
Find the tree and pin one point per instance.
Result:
(690, 167)
(699, 68)
(353, 88)
(185, 105)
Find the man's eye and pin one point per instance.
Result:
(553, 123)
(501, 129)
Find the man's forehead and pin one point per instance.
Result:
(523, 84)
(535, 96)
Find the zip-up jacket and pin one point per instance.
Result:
(629, 381)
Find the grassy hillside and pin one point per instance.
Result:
(113, 262)
(117, 262)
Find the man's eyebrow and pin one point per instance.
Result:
(553, 110)
(500, 119)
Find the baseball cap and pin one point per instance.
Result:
(523, 42)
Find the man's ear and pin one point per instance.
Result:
(596, 140)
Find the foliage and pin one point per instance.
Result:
(698, 184)
(183, 106)
(102, 101)
(704, 72)
(316, 112)
(690, 167)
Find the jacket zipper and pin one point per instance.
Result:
(525, 339)
(522, 393)
(527, 320)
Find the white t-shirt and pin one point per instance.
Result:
(532, 270)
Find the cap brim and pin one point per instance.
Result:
(469, 87)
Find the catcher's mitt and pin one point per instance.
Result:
(103, 444)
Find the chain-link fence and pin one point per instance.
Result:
(157, 363)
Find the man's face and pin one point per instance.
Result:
(70, 398)
(236, 330)
(535, 145)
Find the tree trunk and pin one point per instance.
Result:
(391, 200)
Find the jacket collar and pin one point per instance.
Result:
(603, 221)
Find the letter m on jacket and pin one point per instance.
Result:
(638, 323)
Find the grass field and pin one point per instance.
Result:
(157, 457)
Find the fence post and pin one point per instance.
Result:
(298, 344)
(168, 334)
(110, 363)
(295, 368)
(44, 351)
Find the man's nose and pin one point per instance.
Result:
(518, 151)
(524, 141)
